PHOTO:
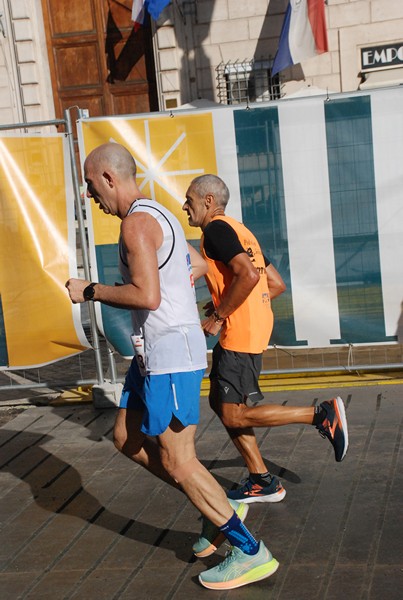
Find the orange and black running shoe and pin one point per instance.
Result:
(334, 426)
(251, 491)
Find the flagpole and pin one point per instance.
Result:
(160, 96)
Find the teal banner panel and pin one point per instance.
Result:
(117, 322)
(354, 219)
(263, 208)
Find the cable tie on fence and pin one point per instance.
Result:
(283, 350)
(350, 359)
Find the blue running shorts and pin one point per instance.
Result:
(161, 397)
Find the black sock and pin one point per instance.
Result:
(257, 477)
(319, 415)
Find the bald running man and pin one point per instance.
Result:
(161, 394)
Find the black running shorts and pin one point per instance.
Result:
(236, 375)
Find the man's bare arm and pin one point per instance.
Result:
(275, 282)
(142, 236)
(199, 265)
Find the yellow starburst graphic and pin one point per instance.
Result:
(169, 152)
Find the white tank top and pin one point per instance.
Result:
(173, 338)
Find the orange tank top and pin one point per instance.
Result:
(248, 328)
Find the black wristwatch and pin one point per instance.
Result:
(89, 292)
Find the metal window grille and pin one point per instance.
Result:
(247, 81)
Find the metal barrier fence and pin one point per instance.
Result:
(81, 371)
(101, 363)
(53, 377)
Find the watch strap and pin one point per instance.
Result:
(217, 317)
(89, 291)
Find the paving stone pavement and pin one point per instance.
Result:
(78, 520)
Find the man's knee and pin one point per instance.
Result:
(120, 440)
(185, 470)
(117, 442)
(130, 448)
(231, 415)
(119, 432)
(125, 441)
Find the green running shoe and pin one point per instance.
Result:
(211, 537)
(239, 569)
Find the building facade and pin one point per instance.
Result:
(214, 50)
(25, 84)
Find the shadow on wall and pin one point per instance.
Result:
(269, 38)
(196, 67)
(195, 70)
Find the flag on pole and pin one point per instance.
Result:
(154, 7)
(303, 34)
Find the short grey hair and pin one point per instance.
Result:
(211, 184)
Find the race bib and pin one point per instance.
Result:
(138, 345)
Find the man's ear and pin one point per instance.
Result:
(208, 200)
(108, 179)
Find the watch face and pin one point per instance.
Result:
(89, 292)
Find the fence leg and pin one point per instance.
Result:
(107, 395)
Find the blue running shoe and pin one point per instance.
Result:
(334, 426)
(211, 537)
(239, 569)
(251, 491)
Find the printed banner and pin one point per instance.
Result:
(38, 324)
(317, 179)
(323, 202)
(169, 152)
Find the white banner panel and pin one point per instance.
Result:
(309, 225)
(387, 131)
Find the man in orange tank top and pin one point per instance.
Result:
(242, 284)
